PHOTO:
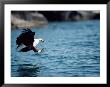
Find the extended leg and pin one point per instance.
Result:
(34, 49)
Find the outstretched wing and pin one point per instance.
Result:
(26, 37)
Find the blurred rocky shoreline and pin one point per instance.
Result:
(31, 19)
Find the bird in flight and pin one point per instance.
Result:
(26, 38)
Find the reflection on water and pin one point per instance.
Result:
(27, 70)
(71, 49)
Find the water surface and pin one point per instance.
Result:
(71, 49)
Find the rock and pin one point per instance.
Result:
(70, 15)
(30, 19)
(82, 15)
(25, 19)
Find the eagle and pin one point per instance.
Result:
(27, 39)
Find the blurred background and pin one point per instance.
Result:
(24, 19)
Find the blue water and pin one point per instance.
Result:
(71, 49)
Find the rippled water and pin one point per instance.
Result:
(71, 49)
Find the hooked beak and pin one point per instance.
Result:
(42, 40)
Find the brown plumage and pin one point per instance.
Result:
(26, 38)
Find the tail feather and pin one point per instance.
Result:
(25, 49)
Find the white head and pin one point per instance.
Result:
(41, 40)
(37, 41)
